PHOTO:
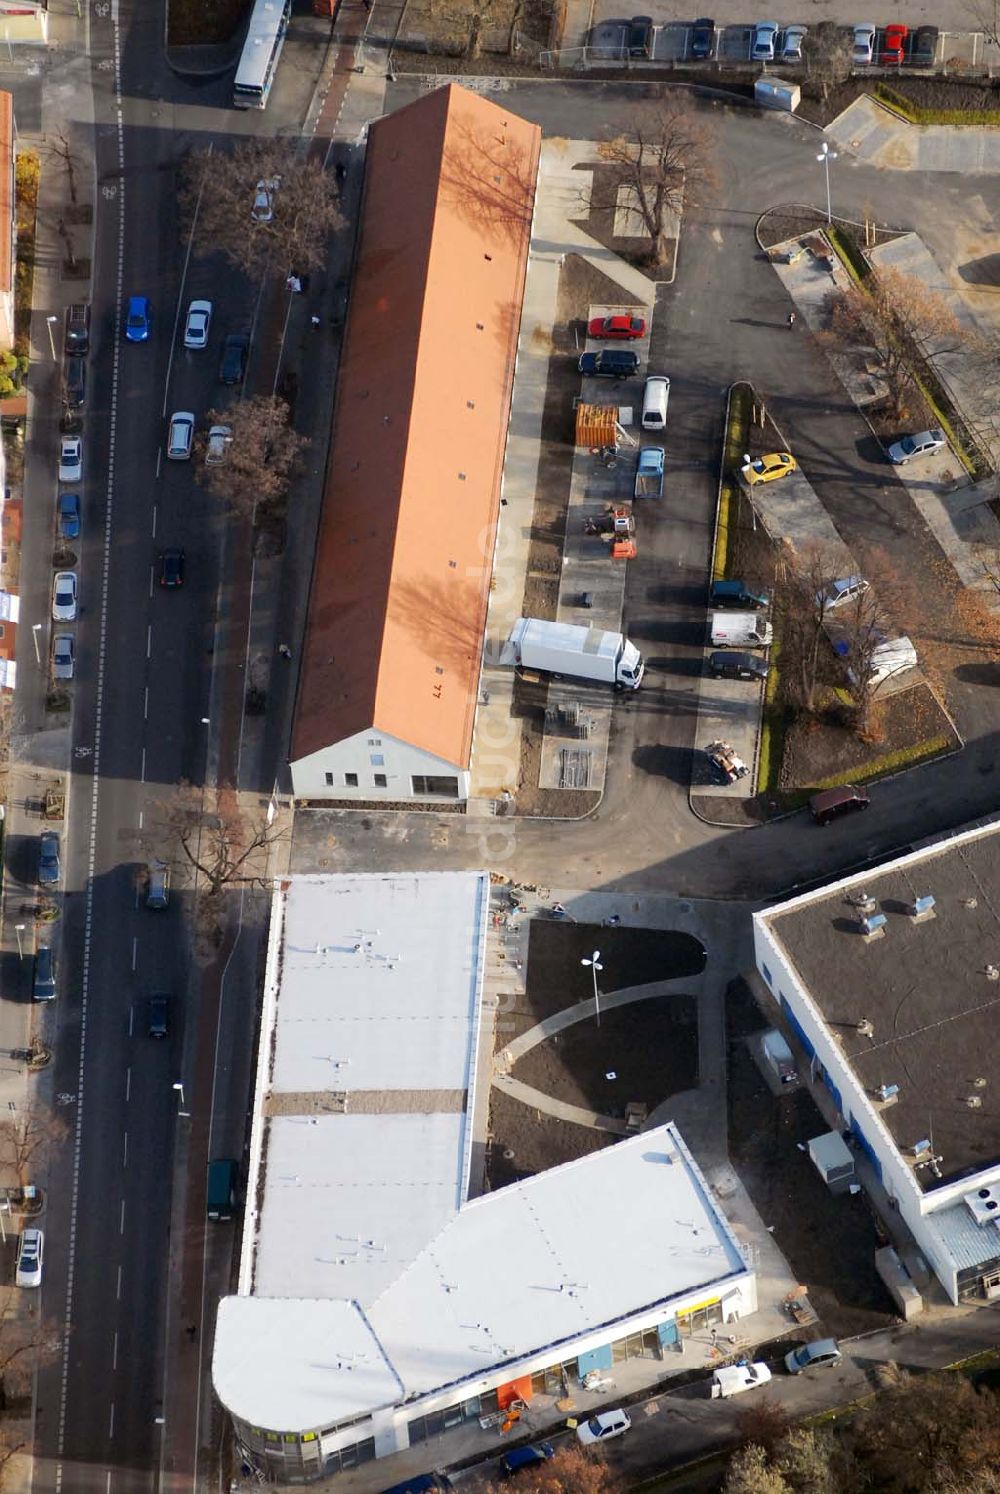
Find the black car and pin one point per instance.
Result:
(172, 568)
(234, 358)
(923, 50)
(609, 363)
(731, 666)
(702, 43)
(75, 383)
(159, 1012)
(640, 36)
(43, 986)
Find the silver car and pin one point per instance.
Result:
(64, 597)
(863, 44)
(765, 35)
(63, 656)
(791, 43)
(70, 459)
(180, 436)
(199, 319)
(924, 443)
(219, 437)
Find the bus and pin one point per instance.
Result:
(261, 50)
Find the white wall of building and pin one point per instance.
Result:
(368, 755)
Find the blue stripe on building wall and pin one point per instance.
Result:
(795, 1025)
(866, 1147)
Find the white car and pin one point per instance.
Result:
(70, 459)
(199, 319)
(765, 35)
(733, 1379)
(263, 202)
(603, 1427)
(180, 436)
(924, 443)
(30, 1249)
(863, 47)
(64, 597)
(791, 43)
(219, 437)
(63, 656)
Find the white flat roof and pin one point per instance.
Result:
(553, 1258)
(349, 1200)
(379, 981)
(279, 1361)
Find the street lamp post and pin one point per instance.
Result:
(827, 155)
(180, 1090)
(34, 638)
(19, 930)
(50, 322)
(595, 965)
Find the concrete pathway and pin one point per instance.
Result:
(873, 133)
(536, 1100)
(570, 1015)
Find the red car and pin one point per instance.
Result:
(894, 46)
(621, 328)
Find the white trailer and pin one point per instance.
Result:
(584, 653)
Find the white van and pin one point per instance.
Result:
(654, 403)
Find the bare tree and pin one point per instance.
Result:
(59, 146)
(261, 203)
(985, 17)
(24, 1343)
(805, 598)
(27, 1136)
(898, 317)
(826, 52)
(226, 844)
(925, 1429)
(665, 159)
(261, 458)
(862, 628)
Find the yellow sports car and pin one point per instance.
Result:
(767, 468)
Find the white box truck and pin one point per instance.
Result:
(740, 630)
(585, 653)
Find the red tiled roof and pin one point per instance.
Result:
(404, 555)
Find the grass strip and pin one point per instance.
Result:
(918, 114)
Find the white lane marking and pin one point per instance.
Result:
(121, 1219)
(125, 1152)
(128, 1071)
(151, 574)
(159, 454)
(118, 1289)
(145, 717)
(149, 640)
(141, 814)
(114, 1355)
(111, 1423)
(155, 506)
(135, 946)
(142, 775)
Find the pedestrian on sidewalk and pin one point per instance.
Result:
(284, 651)
(315, 321)
(791, 318)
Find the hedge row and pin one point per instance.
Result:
(919, 115)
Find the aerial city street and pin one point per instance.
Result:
(499, 662)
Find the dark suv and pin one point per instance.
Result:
(159, 1016)
(75, 383)
(609, 363)
(234, 358)
(727, 666)
(640, 36)
(43, 986)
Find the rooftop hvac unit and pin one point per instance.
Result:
(983, 1205)
(873, 925)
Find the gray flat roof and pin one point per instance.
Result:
(925, 989)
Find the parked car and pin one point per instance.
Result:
(234, 358)
(863, 44)
(30, 1250)
(64, 597)
(519, 1458)
(821, 1352)
(199, 319)
(894, 44)
(43, 982)
(768, 468)
(734, 1379)
(63, 656)
(180, 436)
(172, 568)
(69, 516)
(49, 865)
(840, 592)
(923, 52)
(724, 665)
(217, 444)
(791, 43)
(640, 36)
(603, 1427)
(77, 336)
(159, 1016)
(70, 459)
(765, 35)
(924, 443)
(263, 201)
(617, 328)
(831, 804)
(609, 363)
(137, 319)
(702, 43)
(75, 382)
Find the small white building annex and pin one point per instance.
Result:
(889, 981)
(379, 1303)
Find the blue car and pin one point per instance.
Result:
(69, 516)
(137, 319)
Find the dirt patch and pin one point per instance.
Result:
(829, 1241)
(192, 22)
(524, 1142)
(817, 749)
(927, 93)
(649, 1047)
(452, 32)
